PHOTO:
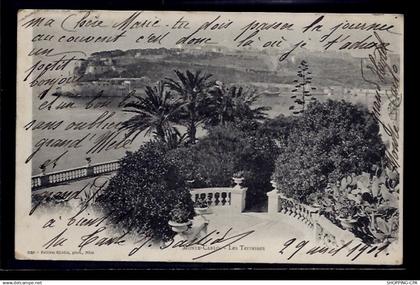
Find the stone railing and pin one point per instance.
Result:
(323, 230)
(53, 178)
(232, 199)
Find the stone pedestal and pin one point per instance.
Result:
(238, 196)
(44, 179)
(273, 202)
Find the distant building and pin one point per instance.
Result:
(93, 88)
(95, 68)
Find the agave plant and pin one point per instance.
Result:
(301, 94)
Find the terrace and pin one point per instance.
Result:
(284, 219)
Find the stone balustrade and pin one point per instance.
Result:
(57, 177)
(230, 198)
(215, 197)
(323, 230)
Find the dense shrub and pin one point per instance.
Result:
(328, 141)
(278, 128)
(145, 190)
(226, 150)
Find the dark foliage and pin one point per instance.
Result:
(227, 149)
(327, 142)
(145, 190)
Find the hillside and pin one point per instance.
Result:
(328, 68)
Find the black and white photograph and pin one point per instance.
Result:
(209, 137)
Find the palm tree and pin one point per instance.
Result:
(233, 104)
(175, 139)
(193, 90)
(156, 113)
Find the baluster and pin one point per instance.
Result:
(296, 211)
(202, 196)
(300, 214)
(289, 207)
(211, 199)
(216, 196)
(286, 206)
(208, 198)
(229, 198)
(286, 210)
(223, 195)
(305, 215)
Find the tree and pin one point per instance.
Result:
(146, 188)
(329, 141)
(302, 90)
(233, 104)
(278, 128)
(156, 113)
(226, 150)
(193, 90)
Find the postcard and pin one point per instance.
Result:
(231, 137)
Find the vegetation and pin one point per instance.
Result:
(156, 113)
(192, 100)
(365, 204)
(328, 141)
(304, 154)
(302, 92)
(232, 104)
(227, 150)
(180, 213)
(201, 203)
(192, 88)
(145, 190)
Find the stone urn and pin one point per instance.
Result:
(238, 180)
(273, 184)
(202, 210)
(179, 227)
